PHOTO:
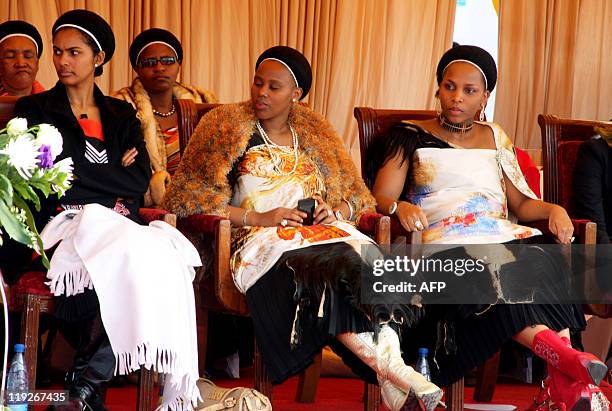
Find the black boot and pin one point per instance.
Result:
(94, 366)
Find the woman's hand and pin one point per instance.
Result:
(560, 224)
(285, 217)
(129, 157)
(323, 213)
(411, 217)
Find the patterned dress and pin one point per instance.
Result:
(463, 194)
(292, 275)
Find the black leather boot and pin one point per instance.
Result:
(93, 367)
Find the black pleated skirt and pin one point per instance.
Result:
(273, 299)
(461, 337)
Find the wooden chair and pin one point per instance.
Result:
(219, 292)
(561, 139)
(31, 297)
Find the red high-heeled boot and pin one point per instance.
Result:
(560, 392)
(581, 366)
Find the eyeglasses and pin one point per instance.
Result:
(152, 62)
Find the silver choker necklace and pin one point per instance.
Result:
(455, 127)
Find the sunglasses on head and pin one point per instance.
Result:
(152, 62)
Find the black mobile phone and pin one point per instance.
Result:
(307, 205)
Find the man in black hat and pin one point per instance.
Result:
(20, 50)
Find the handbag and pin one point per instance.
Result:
(216, 398)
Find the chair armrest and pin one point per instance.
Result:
(377, 224)
(154, 214)
(200, 223)
(397, 230)
(585, 231)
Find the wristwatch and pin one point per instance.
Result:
(393, 208)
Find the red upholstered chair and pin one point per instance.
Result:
(218, 292)
(561, 139)
(31, 297)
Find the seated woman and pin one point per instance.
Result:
(253, 162)
(593, 183)
(454, 179)
(111, 167)
(156, 56)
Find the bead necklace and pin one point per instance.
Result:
(275, 158)
(168, 114)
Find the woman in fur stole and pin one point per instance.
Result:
(253, 162)
(156, 56)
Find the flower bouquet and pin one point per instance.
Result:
(28, 169)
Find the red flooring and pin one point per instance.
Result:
(334, 394)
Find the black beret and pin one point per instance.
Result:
(151, 36)
(90, 24)
(21, 28)
(474, 55)
(294, 60)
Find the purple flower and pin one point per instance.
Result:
(45, 157)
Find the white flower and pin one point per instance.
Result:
(48, 135)
(63, 166)
(17, 126)
(22, 154)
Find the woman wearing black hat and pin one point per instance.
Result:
(103, 137)
(454, 179)
(156, 56)
(253, 162)
(20, 50)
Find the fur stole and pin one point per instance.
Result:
(138, 97)
(200, 184)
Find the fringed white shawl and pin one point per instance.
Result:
(143, 279)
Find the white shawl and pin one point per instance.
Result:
(143, 279)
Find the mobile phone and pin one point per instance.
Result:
(307, 205)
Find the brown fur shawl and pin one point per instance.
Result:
(200, 184)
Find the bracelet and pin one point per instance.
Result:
(244, 217)
(350, 209)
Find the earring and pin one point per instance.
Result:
(95, 64)
(294, 100)
(437, 106)
(481, 117)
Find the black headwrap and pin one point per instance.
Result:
(474, 55)
(21, 28)
(93, 27)
(298, 65)
(150, 36)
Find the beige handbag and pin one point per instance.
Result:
(232, 399)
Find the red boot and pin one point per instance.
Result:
(560, 392)
(584, 367)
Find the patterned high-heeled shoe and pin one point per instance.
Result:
(396, 379)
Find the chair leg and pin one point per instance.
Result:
(144, 402)
(309, 381)
(486, 378)
(202, 329)
(454, 396)
(30, 318)
(371, 397)
(262, 381)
